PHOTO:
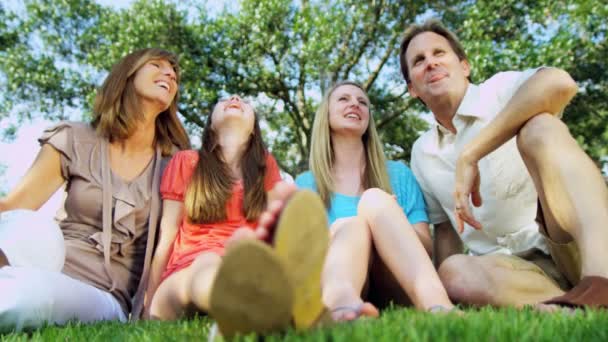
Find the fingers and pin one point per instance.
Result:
(282, 191)
(463, 213)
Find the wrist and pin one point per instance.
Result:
(468, 156)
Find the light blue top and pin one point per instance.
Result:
(403, 183)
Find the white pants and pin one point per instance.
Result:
(33, 291)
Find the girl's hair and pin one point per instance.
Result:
(322, 155)
(212, 182)
(116, 112)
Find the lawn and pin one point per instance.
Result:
(393, 325)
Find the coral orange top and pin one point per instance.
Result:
(194, 239)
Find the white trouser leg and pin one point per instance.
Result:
(29, 297)
(29, 239)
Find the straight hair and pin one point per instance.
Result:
(211, 185)
(321, 158)
(117, 109)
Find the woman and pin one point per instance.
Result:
(112, 168)
(209, 196)
(377, 215)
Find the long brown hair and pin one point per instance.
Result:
(211, 184)
(321, 159)
(116, 112)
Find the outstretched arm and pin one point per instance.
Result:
(549, 90)
(172, 215)
(38, 184)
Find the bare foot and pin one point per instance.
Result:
(351, 313)
(553, 308)
(277, 198)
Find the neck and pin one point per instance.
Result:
(444, 108)
(349, 153)
(142, 139)
(233, 144)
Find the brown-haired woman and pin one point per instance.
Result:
(208, 196)
(112, 168)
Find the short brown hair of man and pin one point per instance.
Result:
(116, 112)
(431, 25)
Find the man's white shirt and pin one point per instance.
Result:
(509, 207)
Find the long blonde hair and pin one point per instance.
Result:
(116, 112)
(322, 154)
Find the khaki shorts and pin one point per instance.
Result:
(563, 266)
(566, 256)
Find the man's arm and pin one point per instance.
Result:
(446, 242)
(549, 90)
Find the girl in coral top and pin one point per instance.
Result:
(208, 195)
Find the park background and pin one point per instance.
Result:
(284, 54)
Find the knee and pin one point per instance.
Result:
(205, 260)
(541, 131)
(455, 273)
(373, 202)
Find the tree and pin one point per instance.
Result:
(286, 53)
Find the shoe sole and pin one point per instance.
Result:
(301, 241)
(252, 291)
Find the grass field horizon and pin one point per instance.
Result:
(396, 324)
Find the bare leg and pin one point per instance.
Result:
(346, 267)
(498, 280)
(186, 291)
(572, 191)
(401, 250)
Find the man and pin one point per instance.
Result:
(501, 147)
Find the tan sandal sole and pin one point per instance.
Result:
(252, 291)
(301, 241)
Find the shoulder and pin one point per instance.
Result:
(305, 179)
(506, 80)
(398, 169)
(424, 141)
(185, 158)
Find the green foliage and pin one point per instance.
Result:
(286, 53)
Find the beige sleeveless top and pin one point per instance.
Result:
(108, 243)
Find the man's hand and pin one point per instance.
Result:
(467, 185)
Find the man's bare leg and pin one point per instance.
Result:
(572, 192)
(497, 280)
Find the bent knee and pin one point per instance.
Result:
(373, 202)
(206, 259)
(460, 276)
(540, 131)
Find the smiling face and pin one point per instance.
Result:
(435, 70)
(233, 110)
(348, 110)
(156, 83)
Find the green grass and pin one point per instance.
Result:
(393, 325)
